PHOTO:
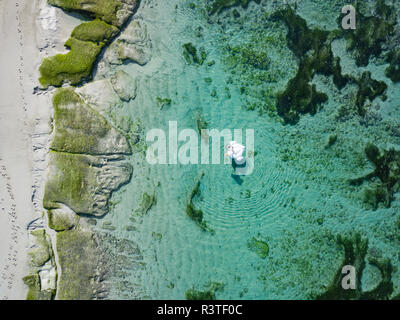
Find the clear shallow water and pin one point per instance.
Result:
(296, 206)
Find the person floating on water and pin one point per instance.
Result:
(235, 152)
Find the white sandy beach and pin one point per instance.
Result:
(24, 136)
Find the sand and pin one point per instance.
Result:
(24, 139)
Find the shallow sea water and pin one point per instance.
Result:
(296, 206)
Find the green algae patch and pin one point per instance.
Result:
(393, 71)
(191, 54)
(219, 5)
(42, 268)
(78, 259)
(259, 247)
(32, 281)
(60, 221)
(95, 31)
(69, 182)
(102, 9)
(355, 252)
(371, 33)
(207, 294)
(196, 214)
(312, 48)
(387, 170)
(72, 67)
(81, 129)
(147, 202)
(370, 89)
(84, 183)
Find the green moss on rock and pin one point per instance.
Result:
(78, 259)
(106, 10)
(84, 183)
(72, 67)
(80, 129)
(95, 31)
(61, 221)
(34, 289)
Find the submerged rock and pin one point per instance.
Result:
(133, 44)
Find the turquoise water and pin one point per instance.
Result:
(297, 199)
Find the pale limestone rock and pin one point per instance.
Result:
(124, 85)
(133, 44)
(99, 94)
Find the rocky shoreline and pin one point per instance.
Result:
(88, 156)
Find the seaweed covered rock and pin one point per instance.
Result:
(63, 218)
(84, 183)
(80, 129)
(367, 39)
(87, 40)
(387, 170)
(219, 5)
(313, 50)
(42, 278)
(114, 12)
(79, 258)
(71, 67)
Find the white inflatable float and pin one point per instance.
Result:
(235, 151)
